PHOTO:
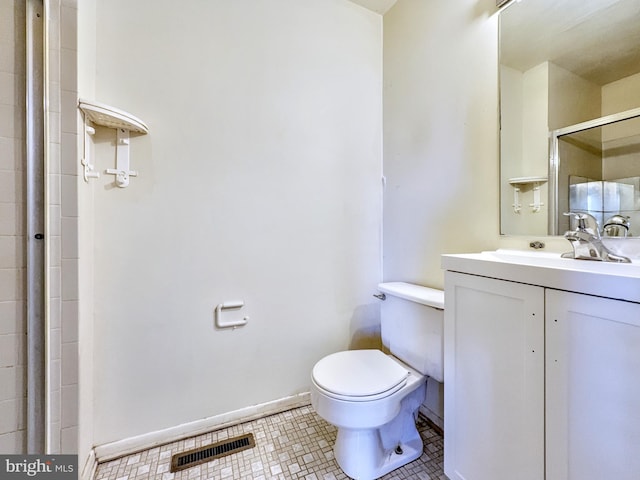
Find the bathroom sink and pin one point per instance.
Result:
(613, 280)
(555, 260)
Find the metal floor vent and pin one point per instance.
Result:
(194, 457)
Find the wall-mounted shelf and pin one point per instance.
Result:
(527, 180)
(517, 182)
(124, 123)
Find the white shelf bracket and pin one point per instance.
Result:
(89, 170)
(124, 123)
(122, 171)
(537, 204)
(536, 182)
(516, 200)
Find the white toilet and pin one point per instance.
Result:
(373, 397)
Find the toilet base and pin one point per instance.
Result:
(367, 454)
(368, 467)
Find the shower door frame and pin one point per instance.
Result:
(36, 234)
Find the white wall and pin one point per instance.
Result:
(440, 141)
(525, 129)
(440, 135)
(511, 117)
(535, 121)
(13, 359)
(617, 97)
(259, 180)
(86, 228)
(551, 98)
(621, 95)
(572, 99)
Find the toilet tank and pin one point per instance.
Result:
(411, 319)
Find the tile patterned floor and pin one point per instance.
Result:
(296, 444)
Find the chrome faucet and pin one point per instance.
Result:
(587, 243)
(617, 226)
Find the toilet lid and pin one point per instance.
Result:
(358, 373)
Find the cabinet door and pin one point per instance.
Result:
(592, 388)
(494, 379)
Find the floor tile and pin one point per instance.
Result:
(296, 444)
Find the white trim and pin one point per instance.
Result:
(597, 122)
(90, 466)
(126, 446)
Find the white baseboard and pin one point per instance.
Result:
(90, 466)
(127, 446)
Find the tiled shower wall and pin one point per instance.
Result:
(12, 228)
(63, 226)
(62, 250)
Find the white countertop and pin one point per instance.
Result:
(611, 280)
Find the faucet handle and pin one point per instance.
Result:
(586, 223)
(580, 217)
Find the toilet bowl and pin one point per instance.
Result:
(373, 397)
(376, 426)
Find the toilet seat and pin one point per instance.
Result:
(359, 375)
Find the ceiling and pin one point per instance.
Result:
(598, 40)
(378, 6)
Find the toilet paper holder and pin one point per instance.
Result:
(222, 307)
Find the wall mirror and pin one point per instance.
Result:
(563, 64)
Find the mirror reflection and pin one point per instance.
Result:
(599, 174)
(564, 63)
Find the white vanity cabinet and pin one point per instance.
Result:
(493, 379)
(592, 381)
(541, 383)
